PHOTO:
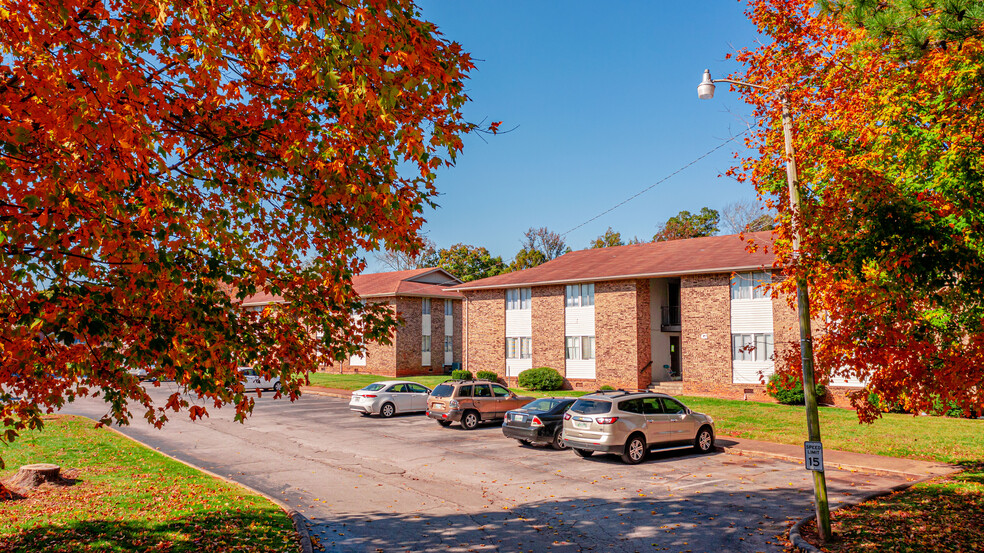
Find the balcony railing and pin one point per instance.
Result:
(670, 320)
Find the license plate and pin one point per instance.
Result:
(517, 417)
(438, 406)
(582, 425)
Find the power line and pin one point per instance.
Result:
(660, 181)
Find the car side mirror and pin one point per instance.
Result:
(689, 412)
(512, 395)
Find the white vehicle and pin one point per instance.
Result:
(390, 397)
(252, 380)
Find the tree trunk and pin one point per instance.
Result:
(32, 476)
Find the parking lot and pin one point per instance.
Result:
(406, 484)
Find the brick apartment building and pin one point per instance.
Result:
(427, 340)
(684, 316)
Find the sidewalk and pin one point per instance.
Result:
(844, 460)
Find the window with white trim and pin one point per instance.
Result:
(425, 306)
(518, 298)
(425, 343)
(580, 295)
(519, 348)
(751, 347)
(579, 347)
(448, 308)
(750, 286)
(448, 344)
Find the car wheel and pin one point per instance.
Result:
(444, 424)
(558, 439)
(277, 386)
(387, 410)
(469, 420)
(704, 442)
(635, 450)
(584, 453)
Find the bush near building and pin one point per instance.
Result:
(543, 378)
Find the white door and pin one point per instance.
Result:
(418, 395)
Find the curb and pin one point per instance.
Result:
(841, 466)
(300, 523)
(800, 543)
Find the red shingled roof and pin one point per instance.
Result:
(393, 283)
(715, 254)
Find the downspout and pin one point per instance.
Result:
(464, 323)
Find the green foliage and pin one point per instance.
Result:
(543, 378)
(911, 28)
(469, 262)
(488, 375)
(461, 374)
(539, 246)
(607, 240)
(689, 225)
(607, 388)
(788, 389)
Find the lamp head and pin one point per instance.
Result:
(705, 90)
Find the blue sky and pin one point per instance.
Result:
(602, 96)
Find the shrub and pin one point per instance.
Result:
(543, 378)
(788, 389)
(461, 375)
(886, 406)
(607, 388)
(487, 375)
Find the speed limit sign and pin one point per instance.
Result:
(814, 456)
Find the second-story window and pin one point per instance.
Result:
(425, 306)
(448, 308)
(750, 286)
(518, 298)
(580, 295)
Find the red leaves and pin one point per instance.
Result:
(161, 165)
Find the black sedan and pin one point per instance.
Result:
(538, 422)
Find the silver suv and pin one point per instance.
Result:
(631, 423)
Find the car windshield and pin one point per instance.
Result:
(543, 404)
(373, 387)
(443, 390)
(591, 406)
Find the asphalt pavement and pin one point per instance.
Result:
(374, 485)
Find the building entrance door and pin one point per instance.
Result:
(675, 373)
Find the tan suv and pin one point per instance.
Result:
(631, 423)
(471, 402)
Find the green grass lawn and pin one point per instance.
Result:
(942, 439)
(126, 497)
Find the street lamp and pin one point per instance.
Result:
(705, 91)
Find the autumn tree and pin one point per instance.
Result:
(161, 161)
(745, 216)
(889, 135)
(469, 262)
(539, 246)
(689, 225)
(610, 238)
(417, 257)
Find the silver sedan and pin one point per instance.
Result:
(390, 397)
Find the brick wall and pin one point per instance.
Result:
(380, 359)
(548, 327)
(408, 337)
(621, 347)
(459, 331)
(485, 331)
(705, 310)
(644, 335)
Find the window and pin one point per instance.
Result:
(398, 388)
(416, 389)
(482, 390)
(500, 391)
(518, 298)
(580, 295)
(673, 407)
(425, 306)
(748, 286)
(425, 344)
(448, 344)
(464, 391)
(519, 348)
(632, 406)
(751, 347)
(580, 347)
(448, 308)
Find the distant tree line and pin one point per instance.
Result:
(540, 245)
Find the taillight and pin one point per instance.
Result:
(369, 395)
(606, 420)
(536, 421)
(567, 416)
(453, 404)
